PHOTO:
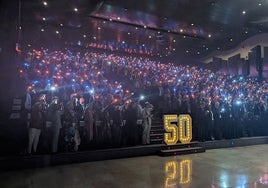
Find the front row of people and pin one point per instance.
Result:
(76, 126)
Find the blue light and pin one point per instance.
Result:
(27, 65)
(52, 88)
(142, 97)
(238, 102)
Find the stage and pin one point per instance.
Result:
(36, 161)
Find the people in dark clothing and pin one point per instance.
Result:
(217, 131)
(89, 124)
(70, 125)
(147, 122)
(56, 110)
(116, 125)
(36, 123)
(131, 116)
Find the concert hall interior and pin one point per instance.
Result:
(136, 93)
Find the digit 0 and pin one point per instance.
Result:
(185, 128)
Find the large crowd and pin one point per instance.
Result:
(101, 99)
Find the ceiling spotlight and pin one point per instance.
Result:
(187, 51)
(181, 30)
(57, 32)
(42, 30)
(209, 35)
(84, 36)
(45, 3)
(174, 40)
(145, 27)
(61, 25)
(150, 36)
(192, 24)
(231, 39)
(110, 19)
(118, 18)
(75, 9)
(244, 12)
(44, 19)
(128, 33)
(260, 4)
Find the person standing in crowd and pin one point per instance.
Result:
(79, 109)
(36, 123)
(55, 111)
(131, 124)
(70, 121)
(216, 110)
(147, 122)
(28, 106)
(238, 114)
(89, 124)
(201, 120)
(209, 123)
(139, 122)
(116, 125)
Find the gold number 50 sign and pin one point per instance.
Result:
(178, 128)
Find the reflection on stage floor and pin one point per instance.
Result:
(239, 167)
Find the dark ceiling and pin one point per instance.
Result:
(159, 28)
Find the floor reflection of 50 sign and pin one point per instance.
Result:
(178, 172)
